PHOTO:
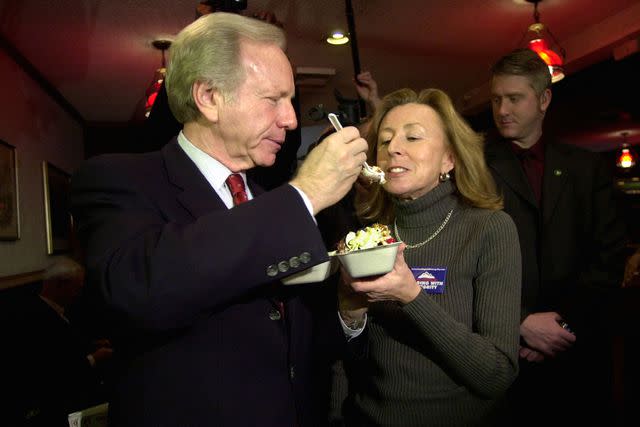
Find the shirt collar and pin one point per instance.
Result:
(536, 151)
(215, 172)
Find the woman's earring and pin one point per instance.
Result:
(444, 176)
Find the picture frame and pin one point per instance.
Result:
(9, 196)
(59, 224)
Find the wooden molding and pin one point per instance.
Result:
(21, 279)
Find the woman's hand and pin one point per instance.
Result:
(397, 285)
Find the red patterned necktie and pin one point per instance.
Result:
(236, 186)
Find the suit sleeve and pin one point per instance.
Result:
(160, 274)
(605, 255)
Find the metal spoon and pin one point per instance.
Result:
(374, 173)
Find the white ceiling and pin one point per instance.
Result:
(98, 53)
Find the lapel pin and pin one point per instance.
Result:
(557, 172)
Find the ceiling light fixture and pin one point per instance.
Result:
(337, 38)
(542, 41)
(154, 87)
(626, 158)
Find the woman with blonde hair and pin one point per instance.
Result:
(438, 341)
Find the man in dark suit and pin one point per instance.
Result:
(52, 369)
(206, 333)
(572, 244)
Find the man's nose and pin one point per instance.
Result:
(503, 108)
(288, 119)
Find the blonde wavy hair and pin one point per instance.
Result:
(475, 184)
(208, 50)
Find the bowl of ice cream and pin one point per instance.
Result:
(370, 251)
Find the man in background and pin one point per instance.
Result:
(572, 243)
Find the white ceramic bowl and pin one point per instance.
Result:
(317, 273)
(370, 262)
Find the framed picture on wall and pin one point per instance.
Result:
(57, 185)
(9, 202)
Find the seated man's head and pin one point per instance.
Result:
(63, 281)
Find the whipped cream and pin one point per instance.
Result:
(365, 238)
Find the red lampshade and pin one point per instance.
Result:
(541, 47)
(151, 94)
(626, 158)
(152, 91)
(539, 37)
(550, 57)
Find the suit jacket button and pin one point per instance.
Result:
(272, 270)
(305, 257)
(283, 266)
(274, 314)
(294, 262)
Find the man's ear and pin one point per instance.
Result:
(207, 99)
(545, 100)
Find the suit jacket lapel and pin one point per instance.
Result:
(502, 159)
(256, 190)
(554, 181)
(197, 196)
(184, 174)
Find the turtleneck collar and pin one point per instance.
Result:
(431, 208)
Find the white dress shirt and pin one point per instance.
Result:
(216, 174)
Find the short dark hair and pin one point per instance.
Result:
(527, 63)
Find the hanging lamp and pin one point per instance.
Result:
(626, 157)
(542, 41)
(337, 38)
(154, 87)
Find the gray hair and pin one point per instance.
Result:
(208, 50)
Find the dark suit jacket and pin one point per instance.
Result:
(573, 246)
(190, 288)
